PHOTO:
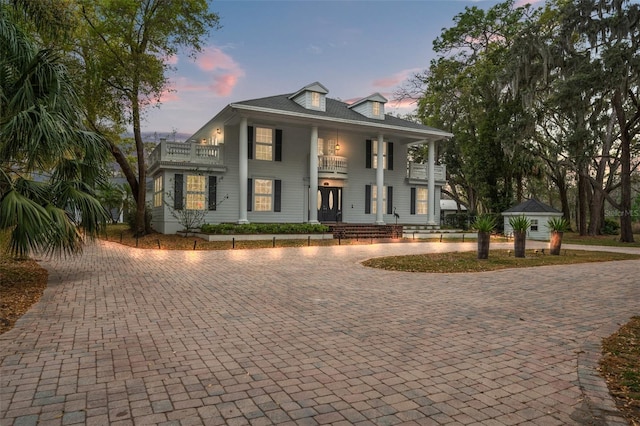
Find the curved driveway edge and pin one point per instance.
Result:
(309, 336)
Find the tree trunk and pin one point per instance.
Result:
(626, 231)
(140, 224)
(556, 243)
(596, 211)
(582, 203)
(484, 238)
(519, 243)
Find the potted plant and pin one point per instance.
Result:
(484, 225)
(557, 226)
(520, 225)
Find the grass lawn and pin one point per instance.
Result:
(600, 240)
(23, 281)
(498, 259)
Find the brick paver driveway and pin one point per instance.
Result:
(309, 336)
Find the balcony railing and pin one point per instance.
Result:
(186, 152)
(421, 172)
(332, 164)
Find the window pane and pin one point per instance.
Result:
(195, 201)
(264, 135)
(263, 186)
(263, 152)
(421, 200)
(374, 197)
(195, 183)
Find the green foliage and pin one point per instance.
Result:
(635, 209)
(130, 218)
(558, 224)
(264, 228)
(457, 221)
(610, 227)
(519, 223)
(125, 50)
(485, 223)
(42, 133)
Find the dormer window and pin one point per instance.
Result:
(315, 99)
(312, 96)
(371, 106)
(375, 108)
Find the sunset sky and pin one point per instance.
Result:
(354, 48)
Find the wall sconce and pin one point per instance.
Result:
(218, 131)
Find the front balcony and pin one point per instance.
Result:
(419, 173)
(187, 155)
(332, 167)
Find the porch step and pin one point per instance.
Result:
(365, 231)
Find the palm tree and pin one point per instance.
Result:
(49, 162)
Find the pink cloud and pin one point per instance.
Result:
(223, 85)
(226, 71)
(213, 58)
(395, 79)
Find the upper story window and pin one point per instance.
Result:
(371, 159)
(375, 156)
(315, 99)
(264, 143)
(326, 147)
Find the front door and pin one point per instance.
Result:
(329, 204)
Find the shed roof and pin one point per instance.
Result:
(532, 206)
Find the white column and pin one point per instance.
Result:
(244, 170)
(313, 176)
(431, 186)
(380, 181)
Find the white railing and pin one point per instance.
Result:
(186, 152)
(421, 172)
(332, 164)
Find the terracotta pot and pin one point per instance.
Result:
(555, 243)
(484, 238)
(519, 242)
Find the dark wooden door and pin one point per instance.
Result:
(329, 204)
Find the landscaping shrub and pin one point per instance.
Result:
(263, 228)
(610, 227)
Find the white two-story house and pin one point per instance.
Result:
(300, 157)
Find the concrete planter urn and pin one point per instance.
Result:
(557, 226)
(519, 243)
(484, 238)
(556, 243)
(484, 225)
(520, 226)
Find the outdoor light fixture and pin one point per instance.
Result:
(337, 147)
(218, 131)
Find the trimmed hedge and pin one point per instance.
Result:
(263, 228)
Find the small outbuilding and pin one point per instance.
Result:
(538, 214)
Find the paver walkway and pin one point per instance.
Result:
(309, 336)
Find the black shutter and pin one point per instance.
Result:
(250, 142)
(389, 199)
(178, 192)
(278, 145)
(368, 155)
(367, 199)
(389, 155)
(277, 195)
(213, 192)
(249, 194)
(413, 201)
